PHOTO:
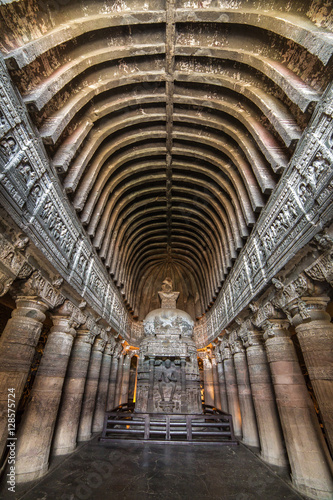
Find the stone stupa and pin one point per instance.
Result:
(168, 372)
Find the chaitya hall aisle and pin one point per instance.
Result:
(125, 471)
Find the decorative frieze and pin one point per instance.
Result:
(34, 199)
(299, 209)
(322, 268)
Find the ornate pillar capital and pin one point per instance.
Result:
(263, 313)
(88, 331)
(109, 349)
(218, 356)
(38, 286)
(287, 295)
(251, 337)
(133, 352)
(206, 359)
(118, 350)
(309, 309)
(74, 314)
(236, 346)
(225, 353)
(213, 359)
(110, 346)
(99, 344)
(13, 263)
(276, 328)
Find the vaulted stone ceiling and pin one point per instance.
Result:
(168, 124)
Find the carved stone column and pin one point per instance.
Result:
(119, 380)
(221, 380)
(208, 380)
(113, 378)
(90, 391)
(315, 334)
(125, 379)
(217, 397)
(232, 390)
(311, 474)
(70, 408)
(37, 426)
(249, 423)
(17, 348)
(19, 339)
(183, 385)
(268, 421)
(103, 384)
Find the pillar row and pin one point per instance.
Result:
(102, 392)
(70, 408)
(221, 381)
(249, 423)
(112, 383)
(208, 380)
(311, 473)
(217, 397)
(90, 390)
(232, 391)
(315, 334)
(119, 381)
(37, 426)
(272, 449)
(17, 349)
(125, 379)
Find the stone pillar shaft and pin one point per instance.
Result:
(17, 349)
(125, 380)
(268, 421)
(222, 387)
(232, 392)
(249, 423)
(112, 384)
(217, 397)
(315, 335)
(70, 408)
(119, 380)
(90, 391)
(37, 426)
(311, 474)
(208, 382)
(102, 392)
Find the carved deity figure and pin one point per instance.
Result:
(167, 377)
(167, 285)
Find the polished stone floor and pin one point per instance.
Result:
(163, 472)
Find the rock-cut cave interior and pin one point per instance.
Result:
(166, 249)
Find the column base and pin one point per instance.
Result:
(275, 461)
(312, 493)
(63, 451)
(252, 444)
(85, 438)
(26, 477)
(97, 429)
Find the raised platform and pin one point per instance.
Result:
(212, 426)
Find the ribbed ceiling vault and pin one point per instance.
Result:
(168, 124)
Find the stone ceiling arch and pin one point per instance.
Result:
(169, 126)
